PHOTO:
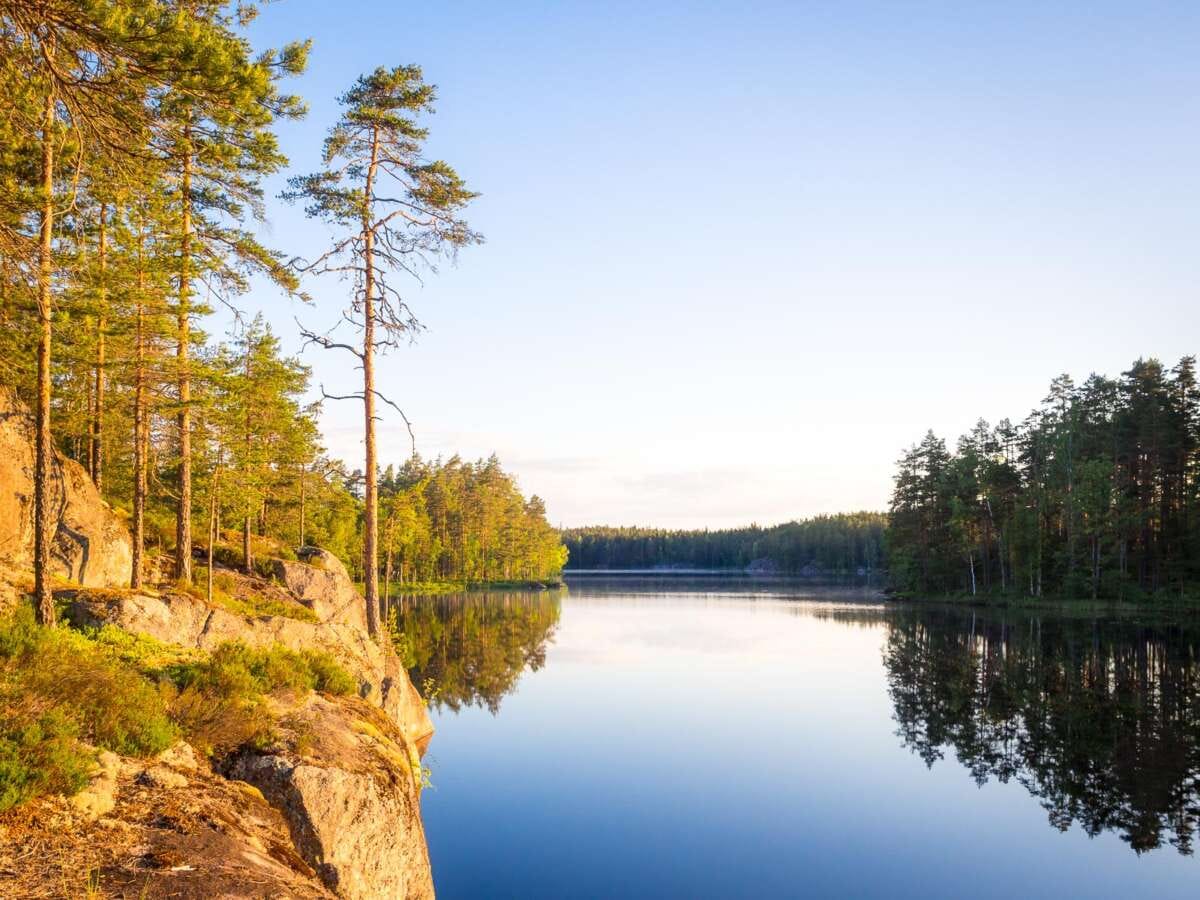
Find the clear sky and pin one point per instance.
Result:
(740, 254)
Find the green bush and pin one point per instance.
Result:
(39, 754)
(236, 669)
(220, 701)
(113, 704)
(58, 689)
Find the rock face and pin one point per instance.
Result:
(323, 585)
(343, 773)
(188, 621)
(344, 797)
(168, 827)
(91, 545)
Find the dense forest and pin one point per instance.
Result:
(135, 137)
(460, 521)
(1095, 494)
(845, 543)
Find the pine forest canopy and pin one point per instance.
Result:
(134, 139)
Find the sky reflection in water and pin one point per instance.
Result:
(628, 740)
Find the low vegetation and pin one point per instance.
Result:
(67, 693)
(230, 592)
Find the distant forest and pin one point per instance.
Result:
(1095, 494)
(828, 544)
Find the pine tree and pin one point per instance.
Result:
(214, 128)
(396, 211)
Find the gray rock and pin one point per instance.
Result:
(323, 585)
(352, 803)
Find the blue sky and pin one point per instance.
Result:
(739, 255)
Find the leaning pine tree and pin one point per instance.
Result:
(397, 213)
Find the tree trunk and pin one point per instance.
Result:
(302, 468)
(212, 528)
(387, 577)
(183, 516)
(97, 443)
(247, 554)
(43, 522)
(140, 432)
(370, 487)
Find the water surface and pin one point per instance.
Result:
(708, 738)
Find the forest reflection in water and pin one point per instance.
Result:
(470, 649)
(1096, 715)
(1099, 717)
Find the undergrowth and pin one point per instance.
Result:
(65, 693)
(229, 594)
(61, 691)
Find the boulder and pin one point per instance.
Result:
(351, 799)
(91, 545)
(322, 584)
(100, 795)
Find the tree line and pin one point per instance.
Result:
(1094, 494)
(464, 522)
(836, 544)
(134, 139)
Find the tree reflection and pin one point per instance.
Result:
(471, 649)
(1099, 718)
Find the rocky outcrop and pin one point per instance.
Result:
(351, 798)
(91, 545)
(322, 584)
(167, 827)
(186, 620)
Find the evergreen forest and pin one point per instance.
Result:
(1094, 494)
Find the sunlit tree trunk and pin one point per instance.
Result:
(140, 427)
(370, 487)
(99, 378)
(183, 517)
(247, 550)
(43, 523)
(212, 527)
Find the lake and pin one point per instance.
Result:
(679, 737)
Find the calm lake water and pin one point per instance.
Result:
(704, 738)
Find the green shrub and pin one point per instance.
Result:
(236, 669)
(113, 704)
(329, 676)
(60, 688)
(220, 701)
(216, 723)
(39, 754)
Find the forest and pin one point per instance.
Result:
(1095, 494)
(838, 544)
(134, 144)
(455, 521)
